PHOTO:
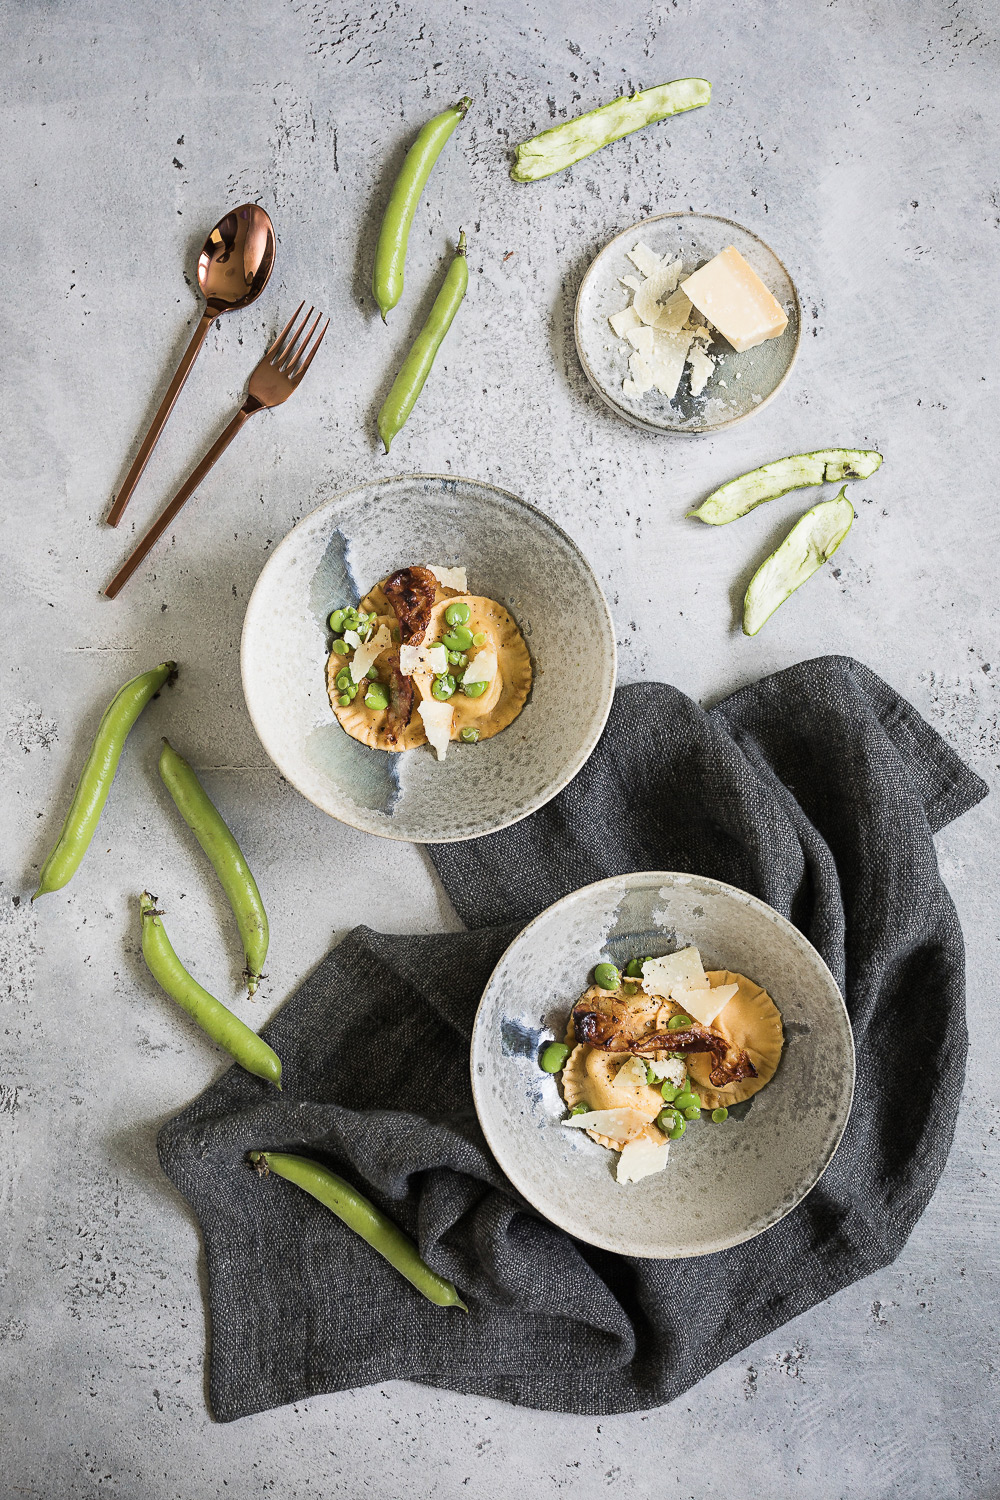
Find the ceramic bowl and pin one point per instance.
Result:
(723, 1183)
(741, 383)
(513, 554)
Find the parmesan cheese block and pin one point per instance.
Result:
(646, 261)
(622, 321)
(366, 652)
(704, 1005)
(451, 578)
(482, 667)
(730, 294)
(438, 719)
(642, 1157)
(433, 659)
(677, 972)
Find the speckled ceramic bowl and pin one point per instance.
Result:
(741, 383)
(513, 554)
(723, 1183)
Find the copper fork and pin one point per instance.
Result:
(273, 381)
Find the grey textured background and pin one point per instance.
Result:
(860, 139)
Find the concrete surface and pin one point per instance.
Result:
(860, 138)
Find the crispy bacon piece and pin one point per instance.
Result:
(411, 592)
(609, 1023)
(400, 699)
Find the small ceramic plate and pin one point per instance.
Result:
(512, 554)
(723, 1184)
(740, 384)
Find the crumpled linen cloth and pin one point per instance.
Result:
(819, 790)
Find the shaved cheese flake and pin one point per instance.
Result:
(704, 1005)
(618, 1124)
(641, 338)
(699, 331)
(659, 284)
(482, 667)
(622, 321)
(438, 719)
(641, 1158)
(668, 977)
(702, 365)
(629, 388)
(642, 375)
(352, 638)
(632, 282)
(433, 659)
(646, 261)
(631, 1074)
(365, 653)
(674, 313)
(670, 351)
(450, 578)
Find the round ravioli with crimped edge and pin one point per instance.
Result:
(588, 1077)
(750, 1020)
(358, 720)
(508, 692)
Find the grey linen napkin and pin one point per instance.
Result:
(819, 790)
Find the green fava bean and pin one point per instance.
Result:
(580, 1109)
(553, 1057)
(679, 1023)
(443, 688)
(667, 1119)
(416, 366)
(678, 1130)
(479, 639)
(457, 613)
(687, 1100)
(344, 699)
(669, 1091)
(343, 679)
(720, 1114)
(341, 647)
(361, 1216)
(98, 773)
(469, 734)
(458, 639)
(376, 699)
(474, 689)
(214, 1018)
(337, 621)
(693, 1112)
(634, 970)
(607, 977)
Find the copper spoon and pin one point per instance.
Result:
(233, 270)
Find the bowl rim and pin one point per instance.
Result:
(631, 417)
(588, 746)
(640, 878)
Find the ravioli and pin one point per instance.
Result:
(750, 1020)
(588, 1077)
(493, 711)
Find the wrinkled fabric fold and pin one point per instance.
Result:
(818, 790)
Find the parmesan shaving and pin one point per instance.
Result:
(451, 578)
(622, 321)
(618, 1124)
(671, 976)
(646, 261)
(438, 719)
(632, 282)
(631, 1074)
(642, 375)
(704, 1005)
(433, 659)
(659, 284)
(702, 365)
(641, 1158)
(366, 652)
(641, 339)
(670, 350)
(482, 667)
(674, 313)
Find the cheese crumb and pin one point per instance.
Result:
(451, 578)
(671, 1068)
(438, 719)
(702, 365)
(433, 659)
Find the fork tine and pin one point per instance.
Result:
(281, 359)
(302, 364)
(295, 354)
(281, 336)
(296, 344)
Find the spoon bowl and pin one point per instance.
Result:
(237, 259)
